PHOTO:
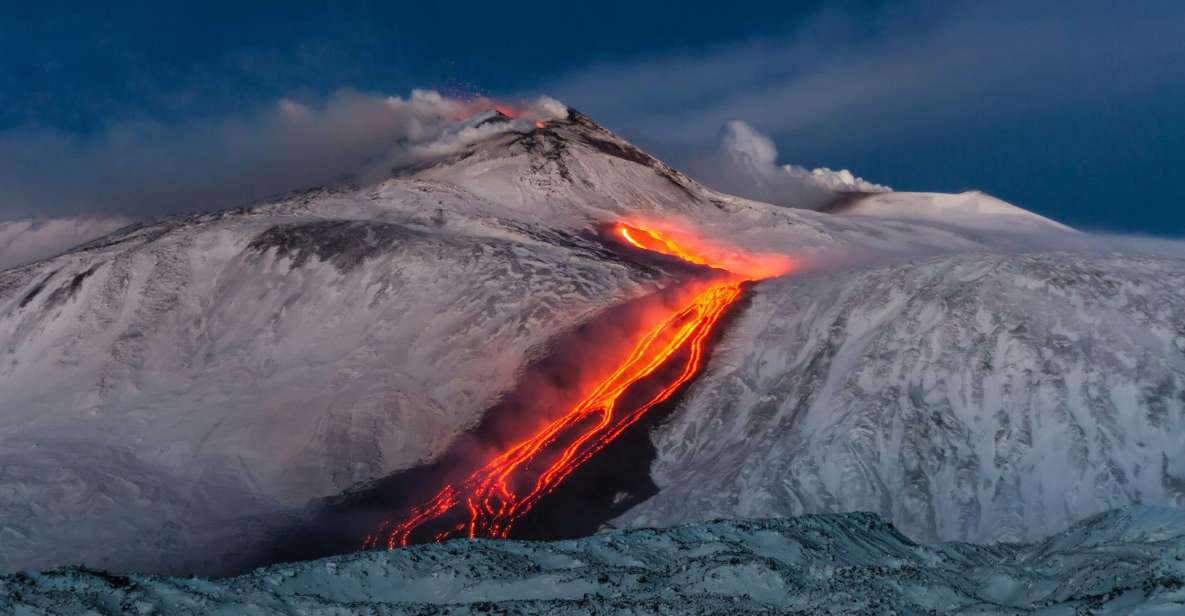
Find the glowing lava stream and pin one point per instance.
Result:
(488, 502)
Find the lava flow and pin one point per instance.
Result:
(489, 501)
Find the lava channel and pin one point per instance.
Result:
(489, 501)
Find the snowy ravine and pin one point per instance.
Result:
(1122, 562)
(975, 397)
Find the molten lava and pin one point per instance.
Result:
(507, 110)
(656, 242)
(489, 501)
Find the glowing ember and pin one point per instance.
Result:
(488, 502)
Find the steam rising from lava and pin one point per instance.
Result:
(488, 502)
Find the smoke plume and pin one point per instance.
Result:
(745, 163)
(147, 168)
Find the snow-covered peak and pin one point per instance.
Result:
(563, 169)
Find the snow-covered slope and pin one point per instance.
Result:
(25, 241)
(171, 392)
(1122, 562)
(974, 397)
(285, 353)
(969, 210)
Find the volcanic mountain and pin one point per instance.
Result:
(174, 393)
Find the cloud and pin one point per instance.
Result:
(147, 168)
(855, 80)
(745, 163)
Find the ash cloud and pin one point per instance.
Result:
(145, 168)
(745, 163)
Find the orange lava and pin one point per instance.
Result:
(489, 501)
(656, 242)
(506, 110)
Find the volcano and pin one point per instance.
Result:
(176, 393)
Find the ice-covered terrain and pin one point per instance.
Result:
(172, 392)
(973, 397)
(1122, 562)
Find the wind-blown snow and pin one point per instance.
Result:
(25, 241)
(1122, 562)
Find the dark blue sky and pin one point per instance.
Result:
(83, 66)
(1071, 109)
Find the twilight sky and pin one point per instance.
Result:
(1075, 110)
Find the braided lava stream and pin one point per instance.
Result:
(489, 501)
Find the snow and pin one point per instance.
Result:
(174, 391)
(25, 241)
(965, 397)
(969, 210)
(285, 356)
(1121, 562)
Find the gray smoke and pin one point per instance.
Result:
(147, 168)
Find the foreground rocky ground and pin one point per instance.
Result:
(1121, 562)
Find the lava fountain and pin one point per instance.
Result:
(489, 501)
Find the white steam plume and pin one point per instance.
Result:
(745, 163)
